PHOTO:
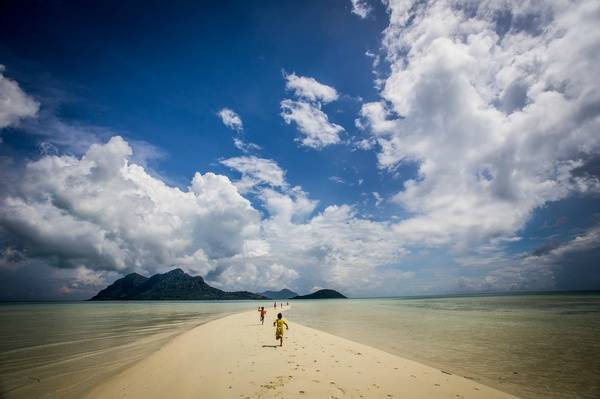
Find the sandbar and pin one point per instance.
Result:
(237, 357)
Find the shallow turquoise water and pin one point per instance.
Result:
(60, 350)
(534, 346)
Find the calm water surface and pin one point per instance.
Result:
(534, 346)
(60, 350)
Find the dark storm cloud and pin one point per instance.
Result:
(545, 248)
(589, 169)
(575, 263)
(579, 271)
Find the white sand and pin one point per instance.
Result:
(234, 357)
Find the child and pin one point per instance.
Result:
(279, 323)
(263, 312)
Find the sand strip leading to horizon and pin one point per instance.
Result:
(237, 357)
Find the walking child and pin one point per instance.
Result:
(279, 323)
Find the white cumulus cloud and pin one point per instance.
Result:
(256, 170)
(318, 131)
(306, 112)
(104, 213)
(15, 104)
(360, 8)
(494, 113)
(309, 89)
(231, 119)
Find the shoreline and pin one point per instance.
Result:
(441, 366)
(131, 364)
(121, 369)
(235, 356)
(85, 369)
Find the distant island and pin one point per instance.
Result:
(173, 285)
(321, 294)
(282, 294)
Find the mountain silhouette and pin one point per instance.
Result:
(321, 294)
(173, 285)
(282, 294)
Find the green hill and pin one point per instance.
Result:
(173, 285)
(321, 294)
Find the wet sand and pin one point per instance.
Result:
(237, 357)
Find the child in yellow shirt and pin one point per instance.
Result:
(279, 323)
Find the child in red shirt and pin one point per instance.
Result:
(263, 312)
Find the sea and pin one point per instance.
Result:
(63, 349)
(544, 345)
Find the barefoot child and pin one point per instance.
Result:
(279, 323)
(263, 312)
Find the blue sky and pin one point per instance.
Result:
(454, 149)
(165, 78)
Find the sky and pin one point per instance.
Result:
(380, 148)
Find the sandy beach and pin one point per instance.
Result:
(236, 357)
